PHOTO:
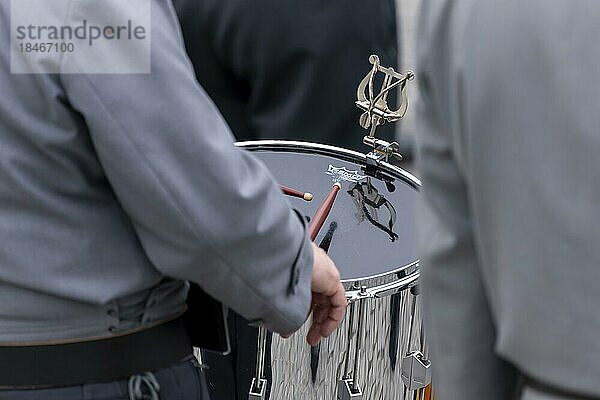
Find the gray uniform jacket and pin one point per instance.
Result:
(508, 155)
(114, 189)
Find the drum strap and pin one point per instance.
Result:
(528, 382)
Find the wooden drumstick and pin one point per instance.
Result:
(323, 211)
(296, 193)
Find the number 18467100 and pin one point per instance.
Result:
(50, 47)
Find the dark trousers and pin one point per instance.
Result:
(184, 381)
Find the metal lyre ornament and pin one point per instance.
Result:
(376, 109)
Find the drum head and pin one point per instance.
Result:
(371, 230)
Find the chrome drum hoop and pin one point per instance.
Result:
(325, 149)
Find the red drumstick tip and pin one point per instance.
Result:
(308, 196)
(339, 185)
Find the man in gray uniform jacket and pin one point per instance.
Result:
(508, 155)
(114, 190)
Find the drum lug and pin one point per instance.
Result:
(416, 371)
(258, 392)
(348, 390)
(359, 294)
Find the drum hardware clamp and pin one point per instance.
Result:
(258, 387)
(377, 112)
(416, 367)
(258, 392)
(347, 391)
(348, 387)
(416, 371)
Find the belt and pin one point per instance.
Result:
(528, 382)
(94, 361)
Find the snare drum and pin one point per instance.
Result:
(370, 233)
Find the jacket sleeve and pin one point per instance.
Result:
(457, 313)
(203, 210)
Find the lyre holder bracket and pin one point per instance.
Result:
(376, 109)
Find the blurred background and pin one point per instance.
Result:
(406, 15)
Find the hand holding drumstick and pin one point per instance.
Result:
(328, 297)
(328, 294)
